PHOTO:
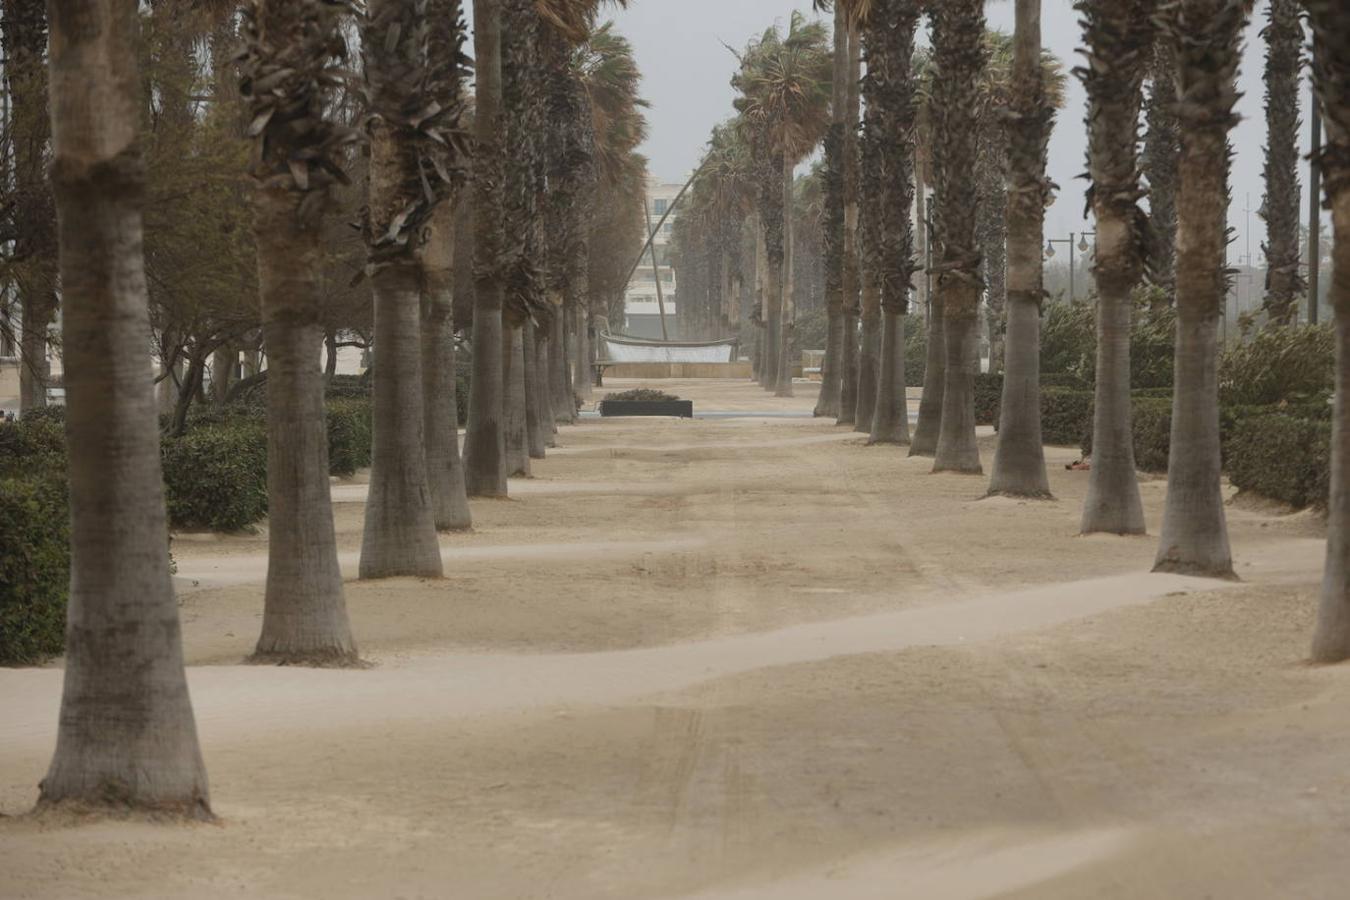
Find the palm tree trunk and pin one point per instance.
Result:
(831, 375)
(1118, 35)
(400, 526)
(560, 381)
(126, 735)
(849, 362)
(445, 470)
(513, 373)
(304, 608)
(1194, 530)
(581, 377)
(958, 50)
(926, 429)
(1019, 461)
(869, 358)
(1330, 20)
(1281, 207)
(535, 432)
(890, 417)
(783, 381)
(485, 440)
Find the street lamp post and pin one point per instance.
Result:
(1050, 253)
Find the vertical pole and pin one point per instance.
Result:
(1315, 214)
(1073, 292)
(656, 270)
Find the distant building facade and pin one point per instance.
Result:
(642, 308)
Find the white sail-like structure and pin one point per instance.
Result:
(624, 349)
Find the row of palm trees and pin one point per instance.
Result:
(127, 735)
(1190, 51)
(552, 85)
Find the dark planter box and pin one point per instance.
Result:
(682, 409)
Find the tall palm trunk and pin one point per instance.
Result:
(560, 380)
(787, 314)
(831, 374)
(1280, 208)
(1158, 162)
(535, 432)
(126, 735)
(513, 373)
(445, 469)
(926, 429)
(1330, 20)
(400, 525)
(1194, 532)
(304, 608)
(890, 91)
(958, 54)
(1118, 37)
(485, 440)
(1019, 461)
(772, 218)
(869, 353)
(852, 284)
(582, 378)
(23, 37)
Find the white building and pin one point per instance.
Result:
(642, 306)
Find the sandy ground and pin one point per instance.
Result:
(745, 658)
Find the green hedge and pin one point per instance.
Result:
(1066, 416)
(988, 397)
(1283, 458)
(349, 435)
(215, 477)
(34, 568)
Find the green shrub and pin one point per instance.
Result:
(1279, 365)
(916, 350)
(1151, 418)
(31, 444)
(644, 395)
(34, 568)
(348, 387)
(1066, 416)
(1069, 342)
(1283, 458)
(215, 477)
(988, 397)
(349, 435)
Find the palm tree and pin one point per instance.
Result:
(925, 439)
(445, 469)
(1330, 21)
(849, 276)
(831, 386)
(485, 440)
(1207, 36)
(1019, 461)
(1158, 162)
(959, 58)
(1119, 38)
(400, 525)
(126, 737)
(1280, 207)
(786, 87)
(889, 87)
(294, 49)
(23, 38)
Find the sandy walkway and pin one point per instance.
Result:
(745, 658)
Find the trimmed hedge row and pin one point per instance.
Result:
(34, 568)
(215, 477)
(1282, 457)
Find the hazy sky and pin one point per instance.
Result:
(687, 73)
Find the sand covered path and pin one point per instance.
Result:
(745, 657)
